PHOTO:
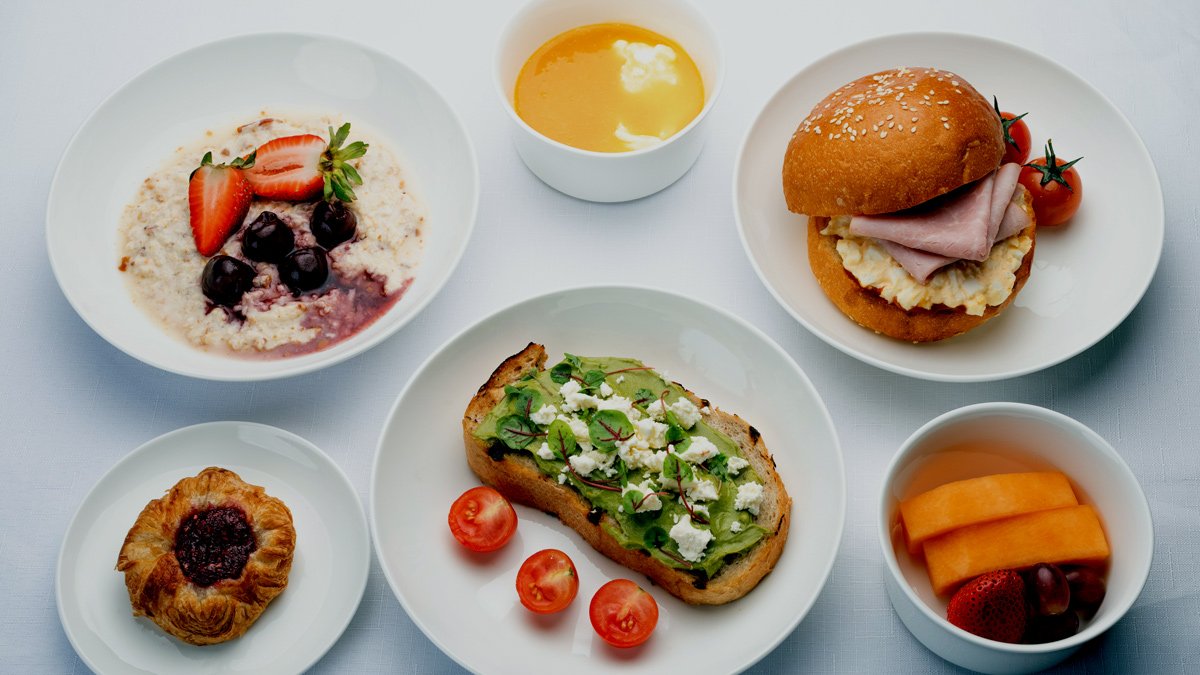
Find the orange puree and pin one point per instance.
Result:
(609, 87)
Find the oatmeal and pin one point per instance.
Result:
(366, 275)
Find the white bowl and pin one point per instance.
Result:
(608, 176)
(175, 101)
(1005, 437)
(468, 606)
(1087, 275)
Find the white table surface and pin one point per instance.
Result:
(71, 405)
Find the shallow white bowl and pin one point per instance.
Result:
(326, 583)
(1087, 275)
(133, 132)
(608, 176)
(467, 604)
(1000, 438)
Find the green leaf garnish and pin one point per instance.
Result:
(643, 396)
(561, 439)
(593, 379)
(524, 401)
(655, 537)
(516, 431)
(560, 373)
(718, 465)
(608, 428)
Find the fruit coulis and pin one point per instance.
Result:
(214, 544)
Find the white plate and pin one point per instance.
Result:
(468, 604)
(175, 101)
(329, 572)
(1087, 276)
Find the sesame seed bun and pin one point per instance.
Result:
(869, 310)
(889, 141)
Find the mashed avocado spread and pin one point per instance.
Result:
(639, 450)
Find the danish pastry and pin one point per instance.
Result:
(204, 561)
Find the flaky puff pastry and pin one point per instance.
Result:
(225, 609)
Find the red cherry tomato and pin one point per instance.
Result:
(623, 614)
(547, 582)
(482, 519)
(1054, 186)
(1017, 141)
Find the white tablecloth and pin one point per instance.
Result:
(71, 405)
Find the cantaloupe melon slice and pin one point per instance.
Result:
(980, 500)
(1068, 535)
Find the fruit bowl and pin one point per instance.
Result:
(991, 438)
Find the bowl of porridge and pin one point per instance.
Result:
(177, 232)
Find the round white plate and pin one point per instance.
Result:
(467, 604)
(175, 101)
(329, 572)
(1087, 275)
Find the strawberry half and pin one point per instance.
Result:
(298, 168)
(991, 606)
(218, 198)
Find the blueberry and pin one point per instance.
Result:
(304, 269)
(225, 280)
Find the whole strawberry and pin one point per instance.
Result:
(991, 606)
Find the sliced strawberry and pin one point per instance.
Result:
(218, 198)
(299, 168)
(991, 606)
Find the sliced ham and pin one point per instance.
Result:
(962, 225)
(956, 226)
(1015, 219)
(920, 264)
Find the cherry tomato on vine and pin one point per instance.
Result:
(1054, 186)
(482, 519)
(1017, 140)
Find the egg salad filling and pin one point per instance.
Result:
(639, 450)
(974, 286)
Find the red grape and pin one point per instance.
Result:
(1051, 628)
(1050, 594)
(1087, 590)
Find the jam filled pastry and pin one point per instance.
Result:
(204, 561)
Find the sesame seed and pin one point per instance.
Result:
(913, 130)
(890, 116)
(883, 134)
(946, 102)
(914, 119)
(945, 119)
(946, 124)
(891, 124)
(954, 82)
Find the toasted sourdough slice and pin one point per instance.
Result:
(517, 477)
(869, 310)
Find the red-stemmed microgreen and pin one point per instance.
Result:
(608, 428)
(656, 538)
(628, 370)
(517, 432)
(561, 440)
(676, 468)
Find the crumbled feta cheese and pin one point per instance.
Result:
(590, 460)
(702, 509)
(735, 527)
(650, 501)
(691, 540)
(545, 452)
(620, 403)
(654, 433)
(574, 399)
(562, 478)
(699, 450)
(570, 387)
(637, 454)
(703, 491)
(706, 410)
(605, 390)
(620, 379)
(686, 411)
(544, 415)
(735, 464)
(749, 497)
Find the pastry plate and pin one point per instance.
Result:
(328, 576)
(467, 604)
(1087, 275)
(176, 101)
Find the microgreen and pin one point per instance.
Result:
(525, 401)
(631, 499)
(561, 439)
(560, 373)
(593, 379)
(627, 370)
(608, 428)
(516, 431)
(655, 537)
(718, 465)
(642, 396)
(676, 468)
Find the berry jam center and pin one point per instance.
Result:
(214, 544)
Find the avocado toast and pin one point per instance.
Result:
(648, 473)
